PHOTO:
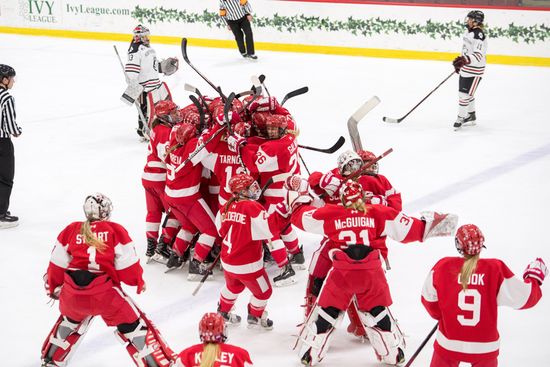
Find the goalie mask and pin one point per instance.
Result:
(97, 207)
(368, 157)
(141, 34)
(349, 162)
(167, 111)
(244, 185)
(469, 240)
(212, 328)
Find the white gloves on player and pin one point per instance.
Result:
(375, 199)
(439, 225)
(536, 270)
(330, 183)
(234, 142)
(169, 66)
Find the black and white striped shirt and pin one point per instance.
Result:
(8, 126)
(234, 10)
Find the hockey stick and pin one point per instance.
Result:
(294, 93)
(136, 103)
(358, 116)
(205, 276)
(186, 58)
(396, 121)
(197, 104)
(341, 140)
(359, 172)
(413, 357)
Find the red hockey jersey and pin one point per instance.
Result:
(155, 168)
(468, 319)
(379, 185)
(243, 227)
(185, 183)
(119, 260)
(230, 356)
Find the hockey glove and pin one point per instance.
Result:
(285, 277)
(330, 183)
(459, 62)
(438, 225)
(169, 66)
(536, 270)
(375, 199)
(234, 142)
(264, 104)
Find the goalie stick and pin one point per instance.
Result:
(341, 140)
(419, 349)
(147, 131)
(205, 276)
(186, 58)
(396, 121)
(358, 116)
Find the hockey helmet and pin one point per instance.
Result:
(244, 185)
(351, 192)
(212, 328)
(6, 71)
(184, 133)
(268, 125)
(475, 15)
(141, 34)
(469, 240)
(367, 157)
(349, 162)
(167, 111)
(97, 207)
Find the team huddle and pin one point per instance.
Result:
(223, 184)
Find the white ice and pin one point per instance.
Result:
(79, 138)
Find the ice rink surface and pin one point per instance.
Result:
(78, 137)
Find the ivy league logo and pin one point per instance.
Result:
(40, 11)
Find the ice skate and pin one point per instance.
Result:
(458, 123)
(230, 318)
(174, 262)
(162, 253)
(151, 246)
(197, 270)
(259, 322)
(8, 221)
(298, 260)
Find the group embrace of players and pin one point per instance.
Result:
(224, 171)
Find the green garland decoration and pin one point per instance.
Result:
(355, 26)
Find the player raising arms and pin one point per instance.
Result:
(463, 294)
(213, 351)
(356, 267)
(243, 224)
(88, 263)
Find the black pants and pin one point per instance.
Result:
(7, 171)
(241, 29)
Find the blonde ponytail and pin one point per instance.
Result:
(90, 237)
(210, 352)
(359, 205)
(468, 268)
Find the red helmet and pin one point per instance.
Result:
(141, 34)
(469, 240)
(190, 117)
(268, 125)
(244, 185)
(167, 111)
(184, 133)
(242, 128)
(212, 328)
(368, 157)
(350, 192)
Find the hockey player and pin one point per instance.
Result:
(470, 66)
(87, 266)
(243, 224)
(356, 267)
(183, 196)
(142, 75)
(213, 351)
(463, 294)
(154, 173)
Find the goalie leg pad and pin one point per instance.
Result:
(63, 340)
(144, 344)
(315, 335)
(384, 334)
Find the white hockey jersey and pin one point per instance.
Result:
(142, 67)
(475, 49)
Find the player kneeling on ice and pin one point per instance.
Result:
(243, 224)
(87, 265)
(213, 351)
(356, 274)
(463, 294)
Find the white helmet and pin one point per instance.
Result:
(349, 162)
(97, 207)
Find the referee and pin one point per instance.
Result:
(237, 15)
(8, 127)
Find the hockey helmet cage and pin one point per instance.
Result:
(351, 192)
(167, 111)
(141, 34)
(6, 71)
(367, 157)
(244, 185)
(476, 15)
(349, 162)
(212, 328)
(469, 240)
(97, 207)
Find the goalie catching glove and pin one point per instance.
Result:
(169, 66)
(438, 225)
